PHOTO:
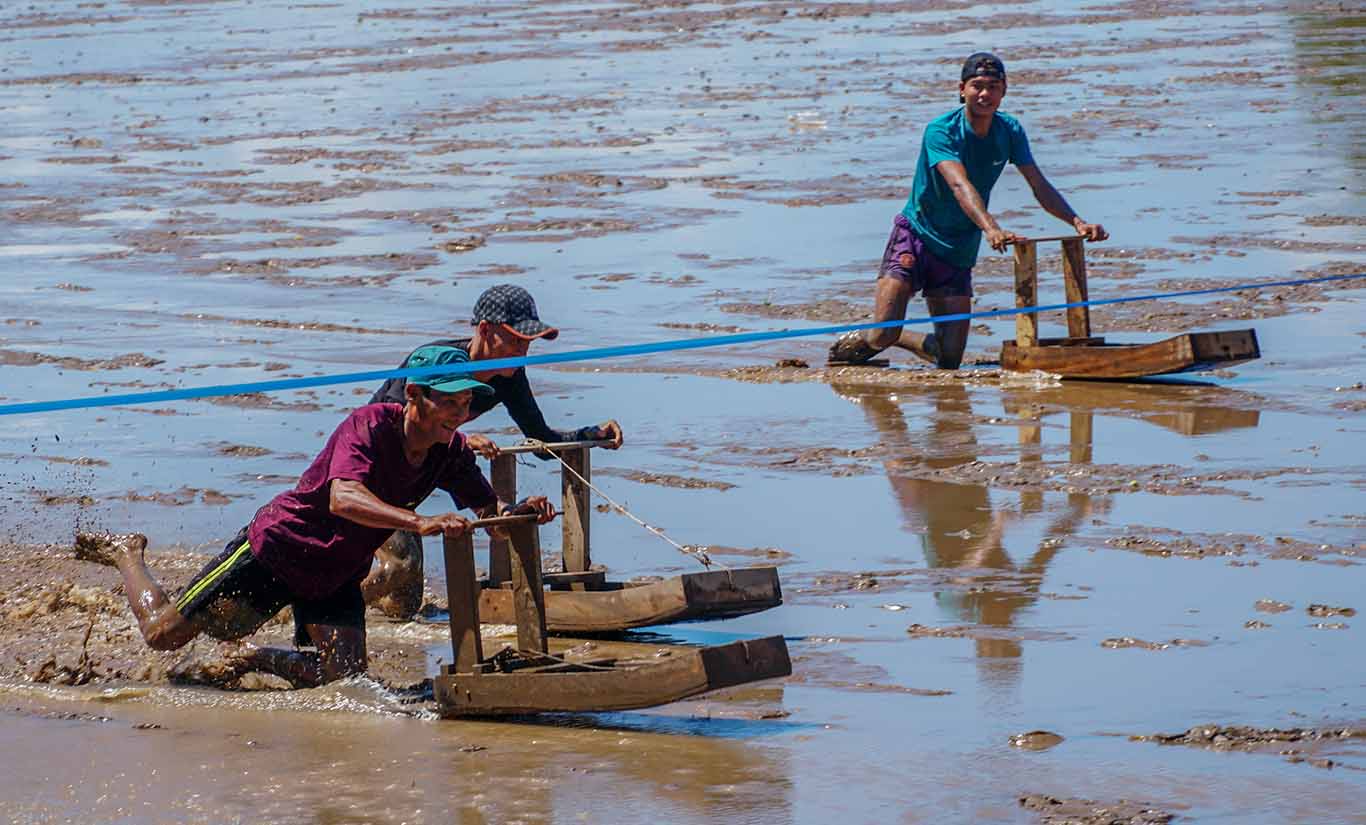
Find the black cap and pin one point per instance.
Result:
(512, 307)
(983, 64)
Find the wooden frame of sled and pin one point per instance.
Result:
(526, 679)
(580, 599)
(1080, 355)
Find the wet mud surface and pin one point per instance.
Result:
(980, 570)
(1312, 746)
(1052, 810)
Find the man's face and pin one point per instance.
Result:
(982, 94)
(444, 412)
(503, 343)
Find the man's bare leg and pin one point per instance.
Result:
(890, 305)
(161, 624)
(395, 585)
(943, 347)
(340, 653)
(946, 345)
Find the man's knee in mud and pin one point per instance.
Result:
(949, 359)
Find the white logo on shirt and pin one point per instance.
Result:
(999, 163)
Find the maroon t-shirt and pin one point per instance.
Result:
(315, 552)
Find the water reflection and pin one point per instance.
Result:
(928, 440)
(1328, 65)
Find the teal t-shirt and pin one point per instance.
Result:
(932, 209)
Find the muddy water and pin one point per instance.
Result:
(219, 192)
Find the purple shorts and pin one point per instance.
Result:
(925, 273)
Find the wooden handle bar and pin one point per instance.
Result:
(553, 446)
(495, 521)
(1047, 239)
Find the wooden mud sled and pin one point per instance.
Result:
(1081, 355)
(528, 680)
(580, 599)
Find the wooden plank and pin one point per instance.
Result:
(1074, 282)
(714, 594)
(688, 672)
(503, 474)
(1026, 293)
(462, 596)
(528, 593)
(577, 558)
(1192, 351)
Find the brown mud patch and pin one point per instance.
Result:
(1324, 610)
(986, 633)
(666, 479)
(1054, 810)
(1036, 740)
(134, 360)
(81, 461)
(278, 270)
(1122, 642)
(1159, 541)
(829, 311)
(702, 327)
(261, 401)
(241, 450)
(1324, 747)
(183, 497)
(1271, 606)
(768, 555)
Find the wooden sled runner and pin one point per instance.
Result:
(528, 680)
(1080, 355)
(581, 600)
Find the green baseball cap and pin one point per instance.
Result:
(434, 355)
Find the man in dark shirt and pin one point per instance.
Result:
(505, 323)
(311, 546)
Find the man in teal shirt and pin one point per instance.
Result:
(934, 240)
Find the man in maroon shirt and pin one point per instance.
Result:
(311, 546)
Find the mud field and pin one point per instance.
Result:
(1008, 598)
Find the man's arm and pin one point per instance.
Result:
(515, 393)
(353, 501)
(1056, 205)
(970, 201)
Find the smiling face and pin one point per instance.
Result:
(982, 95)
(437, 415)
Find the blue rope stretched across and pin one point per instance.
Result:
(599, 353)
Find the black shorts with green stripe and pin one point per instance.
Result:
(235, 594)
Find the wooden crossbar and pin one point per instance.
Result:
(575, 504)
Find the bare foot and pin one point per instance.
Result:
(106, 549)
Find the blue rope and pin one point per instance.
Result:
(599, 353)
